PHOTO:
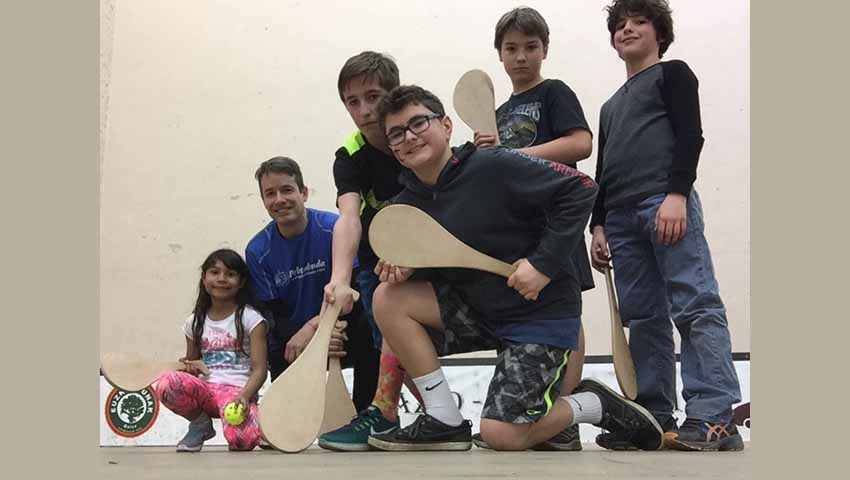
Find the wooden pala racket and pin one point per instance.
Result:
(475, 101)
(292, 410)
(408, 237)
(339, 409)
(624, 366)
(133, 373)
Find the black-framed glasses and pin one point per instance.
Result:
(416, 125)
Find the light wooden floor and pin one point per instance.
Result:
(592, 463)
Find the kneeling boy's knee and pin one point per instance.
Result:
(382, 301)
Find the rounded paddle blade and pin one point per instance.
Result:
(408, 237)
(132, 372)
(292, 409)
(475, 103)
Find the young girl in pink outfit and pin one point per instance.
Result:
(230, 336)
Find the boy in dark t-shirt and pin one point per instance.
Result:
(542, 117)
(649, 215)
(523, 210)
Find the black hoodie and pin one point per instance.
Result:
(509, 205)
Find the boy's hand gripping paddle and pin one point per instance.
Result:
(624, 367)
(133, 373)
(475, 101)
(408, 237)
(292, 411)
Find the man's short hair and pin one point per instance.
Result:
(283, 165)
(656, 11)
(374, 66)
(523, 19)
(400, 97)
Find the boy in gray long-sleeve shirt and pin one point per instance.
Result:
(649, 215)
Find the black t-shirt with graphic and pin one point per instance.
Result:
(540, 115)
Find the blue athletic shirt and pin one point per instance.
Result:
(293, 270)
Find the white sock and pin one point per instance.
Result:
(587, 408)
(438, 399)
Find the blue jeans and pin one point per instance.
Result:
(367, 282)
(656, 283)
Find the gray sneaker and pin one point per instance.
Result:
(200, 430)
(567, 440)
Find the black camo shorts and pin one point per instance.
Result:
(528, 376)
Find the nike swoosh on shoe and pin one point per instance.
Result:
(372, 430)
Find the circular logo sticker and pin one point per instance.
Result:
(130, 414)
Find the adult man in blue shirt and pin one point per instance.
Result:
(290, 263)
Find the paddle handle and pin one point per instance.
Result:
(498, 267)
(624, 367)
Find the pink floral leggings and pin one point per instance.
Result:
(188, 396)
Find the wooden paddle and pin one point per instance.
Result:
(293, 408)
(339, 409)
(475, 101)
(624, 366)
(133, 373)
(408, 237)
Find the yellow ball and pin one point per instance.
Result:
(234, 414)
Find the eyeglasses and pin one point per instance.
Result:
(416, 125)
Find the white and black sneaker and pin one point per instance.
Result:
(624, 417)
(426, 433)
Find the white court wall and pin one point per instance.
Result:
(195, 94)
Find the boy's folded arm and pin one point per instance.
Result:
(566, 197)
(566, 220)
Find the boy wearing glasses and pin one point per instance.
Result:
(544, 118)
(520, 209)
(649, 215)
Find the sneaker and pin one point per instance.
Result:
(567, 440)
(200, 430)
(479, 442)
(625, 417)
(622, 442)
(698, 436)
(354, 436)
(426, 433)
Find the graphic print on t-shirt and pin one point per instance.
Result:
(518, 126)
(283, 278)
(222, 353)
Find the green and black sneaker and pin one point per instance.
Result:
(354, 436)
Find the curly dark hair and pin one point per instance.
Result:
(404, 95)
(656, 11)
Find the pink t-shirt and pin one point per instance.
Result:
(219, 350)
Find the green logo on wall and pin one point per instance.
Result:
(130, 414)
